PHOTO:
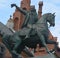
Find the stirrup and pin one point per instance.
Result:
(26, 36)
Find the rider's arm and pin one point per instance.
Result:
(22, 10)
(19, 9)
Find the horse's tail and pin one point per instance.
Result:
(4, 39)
(1, 33)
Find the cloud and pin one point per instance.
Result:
(7, 3)
(6, 10)
(55, 1)
(55, 31)
(2, 3)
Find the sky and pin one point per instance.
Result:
(49, 6)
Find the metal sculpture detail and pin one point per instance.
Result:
(33, 32)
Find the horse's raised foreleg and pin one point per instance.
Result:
(52, 42)
(44, 43)
(41, 37)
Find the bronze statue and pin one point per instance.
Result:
(41, 26)
(35, 30)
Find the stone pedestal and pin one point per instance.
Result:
(45, 56)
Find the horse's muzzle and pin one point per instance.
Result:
(52, 25)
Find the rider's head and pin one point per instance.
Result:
(33, 8)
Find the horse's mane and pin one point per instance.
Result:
(46, 14)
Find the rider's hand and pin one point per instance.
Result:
(12, 5)
(29, 26)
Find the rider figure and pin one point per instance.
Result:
(31, 17)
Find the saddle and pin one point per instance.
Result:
(24, 32)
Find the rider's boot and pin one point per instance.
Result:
(27, 36)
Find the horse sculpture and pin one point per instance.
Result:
(38, 33)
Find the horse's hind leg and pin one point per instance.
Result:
(15, 54)
(17, 42)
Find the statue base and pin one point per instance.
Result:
(45, 56)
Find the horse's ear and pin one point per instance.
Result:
(54, 14)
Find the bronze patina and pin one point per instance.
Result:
(34, 31)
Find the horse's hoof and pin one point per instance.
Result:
(19, 57)
(52, 51)
(48, 52)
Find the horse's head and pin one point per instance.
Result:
(51, 19)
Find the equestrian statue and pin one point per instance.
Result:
(33, 31)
